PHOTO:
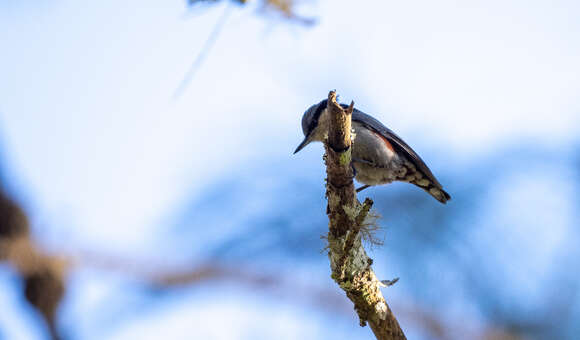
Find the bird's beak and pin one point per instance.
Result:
(305, 142)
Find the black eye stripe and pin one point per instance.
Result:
(321, 106)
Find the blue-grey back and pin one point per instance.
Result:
(397, 142)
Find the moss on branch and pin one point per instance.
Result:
(350, 265)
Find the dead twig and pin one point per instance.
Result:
(351, 267)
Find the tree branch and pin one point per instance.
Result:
(43, 275)
(350, 265)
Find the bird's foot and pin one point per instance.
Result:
(353, 169)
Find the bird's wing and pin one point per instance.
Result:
(396, 141)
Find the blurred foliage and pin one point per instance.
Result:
(450, 257)
(444, 254)
(447, 257)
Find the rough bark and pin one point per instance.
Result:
(350, 265)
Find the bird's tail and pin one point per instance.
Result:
(433, 190)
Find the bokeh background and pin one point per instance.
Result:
(149, 145)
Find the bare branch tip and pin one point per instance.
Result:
(332, 96)
(350, 107)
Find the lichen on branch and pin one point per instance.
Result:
(350, 265)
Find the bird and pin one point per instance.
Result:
(379, 156)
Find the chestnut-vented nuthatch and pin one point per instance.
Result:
(379, 156)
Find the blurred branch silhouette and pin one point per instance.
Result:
(284, 7)
(43, 275)
(209, 43)
(351, 267)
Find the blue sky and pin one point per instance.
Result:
(95, 145)
(87, 88)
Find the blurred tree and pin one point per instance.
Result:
(42, 275)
